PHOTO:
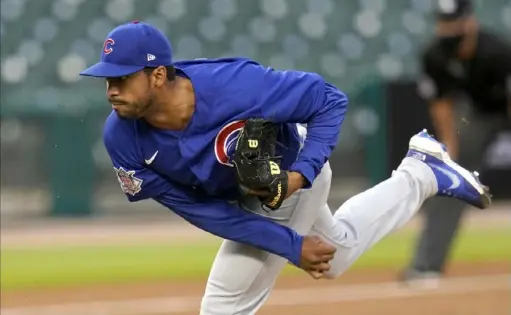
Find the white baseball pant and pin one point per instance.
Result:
(242, 277)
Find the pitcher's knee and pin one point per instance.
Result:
(220, 298)
(243, 300)
(347, 253)
(211, 305)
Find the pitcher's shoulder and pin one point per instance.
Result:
(214, 71)
(211, 63)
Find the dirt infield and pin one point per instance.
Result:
(480, 289)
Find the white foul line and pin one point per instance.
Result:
(279, 297)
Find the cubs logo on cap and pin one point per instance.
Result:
(107, 46)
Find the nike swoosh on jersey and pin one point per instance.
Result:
(151, 159)
(456, 182)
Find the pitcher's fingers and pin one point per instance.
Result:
(327, 257)
(327, 248)
(315, 274)
(321, 267)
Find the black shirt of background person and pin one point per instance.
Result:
(485, 78)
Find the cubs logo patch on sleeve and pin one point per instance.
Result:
(129, 183)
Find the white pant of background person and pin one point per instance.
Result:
(242, 276)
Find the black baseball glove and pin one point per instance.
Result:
(257, 166)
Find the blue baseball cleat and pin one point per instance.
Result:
(453, 180)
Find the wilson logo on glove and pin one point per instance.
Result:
(277, 198)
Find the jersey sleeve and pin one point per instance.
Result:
(435, 82)
(297, 97)
(136, 181)
(231, 222)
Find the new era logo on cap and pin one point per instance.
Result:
(130, 48)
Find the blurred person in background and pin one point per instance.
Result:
(463, 59)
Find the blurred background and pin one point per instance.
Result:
(57, 182)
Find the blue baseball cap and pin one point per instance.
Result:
(130, 48)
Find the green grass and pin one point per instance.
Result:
(68, 266)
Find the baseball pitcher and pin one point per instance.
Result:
(221, 143)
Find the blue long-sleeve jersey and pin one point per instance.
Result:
(190, 171)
